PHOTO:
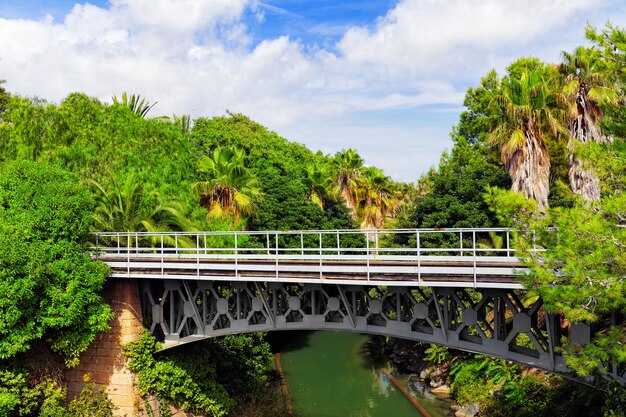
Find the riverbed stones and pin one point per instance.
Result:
(442, 391)
(471, 410)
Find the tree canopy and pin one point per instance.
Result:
(51, 286)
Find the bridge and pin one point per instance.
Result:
(452, 287)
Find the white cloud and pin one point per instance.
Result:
(196, 57)
(179, 15)
(426, 36)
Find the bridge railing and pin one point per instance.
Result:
(395, 244)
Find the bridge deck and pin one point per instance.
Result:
(484, 272)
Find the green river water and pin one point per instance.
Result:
(329, 375)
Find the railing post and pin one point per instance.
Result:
(136, 243)
(338, 245)
(198, 254)
(236, 258)
(508, 243)
(321, 265)
(267, 235)
(474, 250)
(118, 243)
(97, 246)
(176, 242)
(162, 258)
(301, 243)
(128, 255)
(419, 257)
(276, 247)
(367, 254)
(376, 240)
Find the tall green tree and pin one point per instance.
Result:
(128, 206)
(229, 187)
(611, 42)
(376, 198)
(581, 273)
(135, 103)
(318, 180)
(530, 112)
(586, 87)
(347, 165)
(51, 288)
(451, 196)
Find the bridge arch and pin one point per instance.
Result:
(489, 321)
(441, 286)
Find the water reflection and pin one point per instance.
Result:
(328, 376)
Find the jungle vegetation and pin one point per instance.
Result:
(540, 146)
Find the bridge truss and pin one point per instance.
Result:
(450, 287)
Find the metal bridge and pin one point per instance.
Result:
(451, 287)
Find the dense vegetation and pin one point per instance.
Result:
(557, 131)
(551, 133)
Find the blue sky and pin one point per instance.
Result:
(384, 77)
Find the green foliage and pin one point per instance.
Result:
(91, 403)
(28, 389)
(475, 380)
(203, 376)
(135, 103)
(279, 165)
(5, 97)
(178, 379)
(19, 397)
(51, 287)
(452, 194)
(535, 395)
(229, 188)
(437, 354)
(580, 274)
(241, 362)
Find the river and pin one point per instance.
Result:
(329, 375)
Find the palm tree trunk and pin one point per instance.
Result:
(584, 128)
(529, 168)
(583, 181)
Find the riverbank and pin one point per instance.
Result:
(480, 385)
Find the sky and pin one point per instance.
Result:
(385, 77)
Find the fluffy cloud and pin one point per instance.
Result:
(197, 57)
(426, 36)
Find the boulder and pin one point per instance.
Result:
(471, 410)
(443, 391)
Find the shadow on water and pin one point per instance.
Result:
(289, 340)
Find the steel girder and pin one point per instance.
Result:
(494, 322)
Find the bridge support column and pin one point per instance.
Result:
(104, 360)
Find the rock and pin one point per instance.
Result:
(443, 390)
(471, 410)
(436, 383)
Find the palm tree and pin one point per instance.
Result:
(135, 103)
(527, 112)
(376, 198)
(586, 86)
(317, 181)
(128, 207)
(347, 165)
(230, 188)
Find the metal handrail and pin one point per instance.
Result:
(141, 243)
